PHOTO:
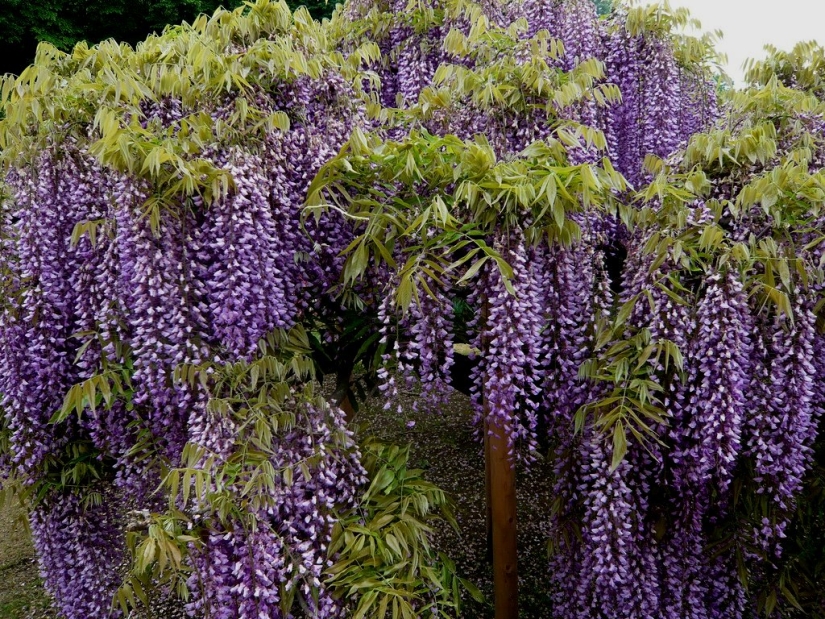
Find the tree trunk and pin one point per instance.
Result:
(502, 496)
(500, 477)
(488, 487)
(341, 394)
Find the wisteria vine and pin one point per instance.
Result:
(640, 269)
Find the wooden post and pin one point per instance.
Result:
(488, 488)
(502, 492)
(341, 394)
(500, 477)
(348, 408)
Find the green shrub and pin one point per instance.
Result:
(384, 558)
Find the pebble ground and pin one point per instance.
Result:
(444, 444)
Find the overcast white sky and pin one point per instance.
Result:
(749, 24)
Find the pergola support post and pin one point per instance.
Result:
(500, 474)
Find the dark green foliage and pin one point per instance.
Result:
(603, 6)
(793, 585)
(317, 8)
(63, 23)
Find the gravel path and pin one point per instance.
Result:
(444, 445)
(21, 592)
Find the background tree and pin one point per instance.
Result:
(63, 23)
(603, 7)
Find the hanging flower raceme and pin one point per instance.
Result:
(576, 297)
(653, 117)
(706, 444)
(258, 560)
(80, 541)
(432, 346)
(508, 337)
(574, 23)
(612, 572)
(575, 293)
(155, 226)
(781, 435)
(38, 317)
(705, 452)
(245, 263)
(162, 315)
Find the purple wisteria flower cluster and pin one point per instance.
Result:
(663, 532)
(115, 282)
(155, 250)
(262, 558)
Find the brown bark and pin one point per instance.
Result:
(503, 495)
(341, 394)
(488, 486)
(349, 410)
(500, 474)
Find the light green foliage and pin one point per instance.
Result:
(765, 158)
(499, 83)
(516, 87)
(383, 555)
(103, 88)
(802, 67)
(64, 23)
(262, 400)
(440, 196)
